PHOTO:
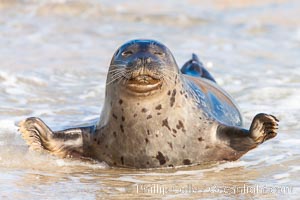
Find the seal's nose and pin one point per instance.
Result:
(145, 60)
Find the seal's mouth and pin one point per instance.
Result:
(143, 83)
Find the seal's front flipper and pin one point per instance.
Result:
(68, 143)
(194, 67)
(263, 128)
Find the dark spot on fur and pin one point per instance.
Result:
(180, 125)
(183, 147)
(158, 113)
(172, 100)
(166, 124)
(122, 160)
(148, 163)
(200, 139)
(148, 132)
(173, 135)
(161, 158)
(170, 165)
(144, 110)
(120, 101)
(181, 92)
(169, 92)
(123, 118)
(138, 104)
(186, 162)
(186, 96)
(200, 117)
(105, 145)
(146, 140)
(115, 163)
(174, 131)
(156, 135)
(98, 142)
(207, 147)
(135, 115)
(115, 134)
(149, 116)
(158, 107)
(122, 128)
(114, 116)
(95, 139)
(170, 144)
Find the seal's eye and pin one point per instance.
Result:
(127, 53)
(159, 53)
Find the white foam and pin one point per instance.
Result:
(281, 176)
(130, 179)
(7, 126)
(89, 94)
(292, 142)
(9, 79)
(295, 168)
(42, 111)
(230, 165)
(80, 163)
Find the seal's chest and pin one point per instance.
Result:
(154, 141)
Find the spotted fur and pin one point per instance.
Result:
(182, 120)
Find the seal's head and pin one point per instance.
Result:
(142, 68)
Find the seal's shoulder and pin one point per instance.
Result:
(220, 104)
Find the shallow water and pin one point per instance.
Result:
(54, 57)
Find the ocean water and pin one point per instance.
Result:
(54, 56)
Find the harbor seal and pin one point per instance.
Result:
(155, 115)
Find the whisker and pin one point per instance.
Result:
(117, 67)
(167, 72)
(116, 75)
(171, 71)
(167, 79)
(113, 80)
(121, 61)
(115, 71)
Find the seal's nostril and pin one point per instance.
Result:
(148, 60)
(143, 60)
(139, 61)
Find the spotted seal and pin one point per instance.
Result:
(156, 115)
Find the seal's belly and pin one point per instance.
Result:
(215, 101)
(177, 136)
(146, 146)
